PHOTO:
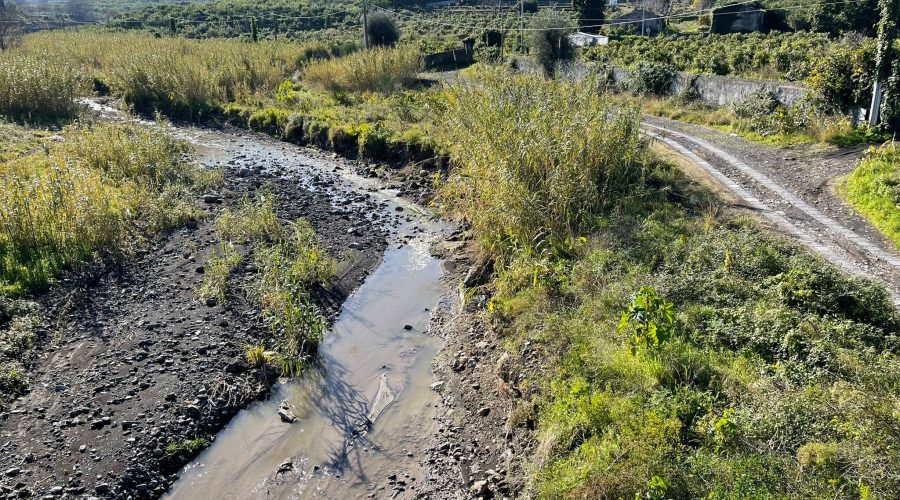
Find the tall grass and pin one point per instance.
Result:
(35, 89)
(179, 77)
(536, 160)
(381, 69)
(88, 197)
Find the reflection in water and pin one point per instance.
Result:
(333, 446)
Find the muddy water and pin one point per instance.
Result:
(363, 409)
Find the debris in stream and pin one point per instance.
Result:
(286, 414)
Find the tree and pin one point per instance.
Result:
(382, 29)
(548, 40)
(887, 69)
(590, 14)
(10, 25)
(80, 10)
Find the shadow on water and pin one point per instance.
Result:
(363, 405)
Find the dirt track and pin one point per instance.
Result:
(792, 188)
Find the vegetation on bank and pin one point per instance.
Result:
(290, 262)
(872, 189)
(686, 352)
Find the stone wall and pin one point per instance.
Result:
(719, 90)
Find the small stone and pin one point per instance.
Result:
(211, 198)
(407, 327)
(437, 385)
(13, 472)
(483, 412)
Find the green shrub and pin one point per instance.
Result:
(382, 30)
(548, 40)
(651, 78)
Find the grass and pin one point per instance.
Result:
(872, 188)
(216, 272)
(684, 352)
(821, 129)
(181, 78)
(380, 69)
(90, 197)
(34, 89)
(291, 263)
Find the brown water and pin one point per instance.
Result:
(364, 409)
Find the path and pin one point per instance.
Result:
(794, 189)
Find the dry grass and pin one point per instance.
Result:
(35, 89)
(380, 69)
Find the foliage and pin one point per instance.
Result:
(788, 56)
(38, 88)
(180, 78)
(873, 188)
(92, 196)
(842, 78)
(548, 40)
(536, 161)
(291, 262)
(10, 25)
(649, 318)
(590, 14)
(188, 448)
(651, 78)
(379, 69)
(382, 30)
(216, 272)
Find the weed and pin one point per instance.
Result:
(217, 271)
(379, 69)
(873, 188)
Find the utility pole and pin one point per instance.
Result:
(522, 25)
(643, 16)
(366, 23)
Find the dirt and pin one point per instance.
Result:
(131, 362)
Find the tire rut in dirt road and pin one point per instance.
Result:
(131, 362)
(791, 198)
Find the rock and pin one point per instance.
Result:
(212, 198)
(13, 472)
(211, 301)
(287, 416)
(479, 488)
(128, 424)
(483, 412)
(437, 385)
(285, 467)
(56, 491)
(357, 246)
(407, 327)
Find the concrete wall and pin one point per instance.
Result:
(463, 55)
(719, 90)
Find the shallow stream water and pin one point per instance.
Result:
(365, 408)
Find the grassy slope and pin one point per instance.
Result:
(872, 189)
(778, 376)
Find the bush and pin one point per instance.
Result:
(382, 29)
(651, 78)
(40, 89)
(548, 42)
(380, 69)
(842, 78)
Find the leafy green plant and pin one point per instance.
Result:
(651, 78)
(649, 319)
(217, 270)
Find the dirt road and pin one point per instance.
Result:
(792, 188)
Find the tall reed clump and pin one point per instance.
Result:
(178, 77)
(537, 160)
(381, 69)
(38, 89)
(88, 197)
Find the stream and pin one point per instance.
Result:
(364, 409)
